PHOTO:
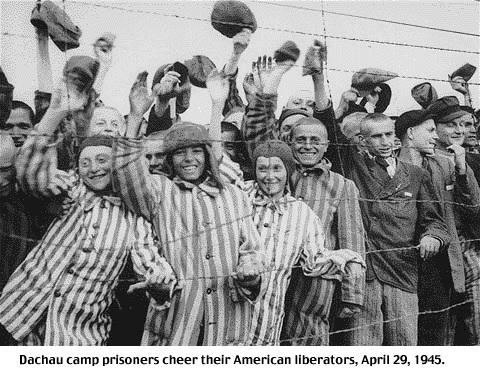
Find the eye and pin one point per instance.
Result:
(149, 156)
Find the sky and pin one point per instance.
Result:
(150, 34)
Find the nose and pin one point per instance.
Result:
(94, 167)
(189, 155)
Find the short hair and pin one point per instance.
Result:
(16, 104)
(373, 118)
(230, 127)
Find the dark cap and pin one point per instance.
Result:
(185, 134)
(276, 148)
(446, 109)
(229, 17)
(409, 119)
(291, 112)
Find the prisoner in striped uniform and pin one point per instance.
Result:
(291, 234)
(207, 234)
(334, 199)
(61, 293)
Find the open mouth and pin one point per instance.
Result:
(98, 177)
(189, 169)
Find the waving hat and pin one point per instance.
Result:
(229, 17)
(199, 67)
(367, 79)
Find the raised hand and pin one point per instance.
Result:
(140, 99)
(241, 41)
(218, 87)
(315, 58)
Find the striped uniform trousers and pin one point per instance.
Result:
(205, 233)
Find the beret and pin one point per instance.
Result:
(58, 24)
(288, 51)
(466, 72)
(199, 67)
(384, 97)
(409, 119)
(291, 112)
(82, 70)
(446, 109)
(229, 17)
(424, 94)
(367, 79)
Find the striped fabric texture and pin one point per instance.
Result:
(291, 233)
(67, 281)
(205, 234)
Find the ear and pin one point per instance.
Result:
(362, 140)
(410, 133)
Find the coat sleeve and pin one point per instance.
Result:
(250, 252)
(259, 124)
(351, 235)
(132, 180)
(430, 218)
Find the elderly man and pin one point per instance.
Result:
(441, 277)
(61, 292)
(204, 228)
(451, 121)
(333, 198)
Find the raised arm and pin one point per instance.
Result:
(217, 85)
(131, 177)
(36, 164)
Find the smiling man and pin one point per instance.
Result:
(61, 293)
(442, 277)
(333, 198)
(451, 121)
(400, 209)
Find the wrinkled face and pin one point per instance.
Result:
(301, 100)
(309, 143)
(424, 137)
(287, 124)
(18, 125)
(452, 132)
(107, 121)
(189, 163)
(95, 167)
(470, 131)
(379, 137)
(229, 145)
(271, 176)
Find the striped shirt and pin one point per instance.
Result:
(67, 281)
(335, 201)
(331, 196)
(291, 233)
(205, 234)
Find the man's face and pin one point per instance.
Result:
(470, 131)
(18, 125)
(452, 132)
(229, 145)
(271, 176)
(155, 155)
(379, 137)
(301, 100)
(425, 137)
(95, 167)
(189, 163)
(309, 143)
(107, 121)
(287, 124)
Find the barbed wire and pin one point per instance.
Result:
(297, 66)
(279, 29)
(366, 18)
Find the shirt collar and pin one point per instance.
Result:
(206, 186)
(323, 166)
(90, 199)
(261, 199)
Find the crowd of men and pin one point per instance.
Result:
(325, 226)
